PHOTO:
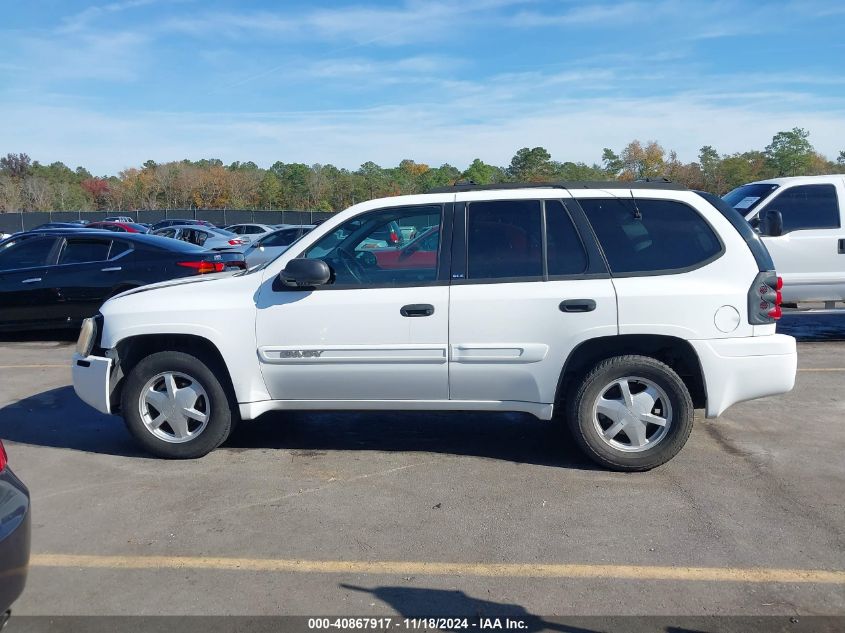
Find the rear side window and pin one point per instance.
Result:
(118, 248)
(669, 235)
(504, 240)
(808, 207)
(565, 252)
(81, 250)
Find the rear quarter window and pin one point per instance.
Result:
(669, 236)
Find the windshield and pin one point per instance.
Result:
(747, 197)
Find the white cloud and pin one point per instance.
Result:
(431, 132)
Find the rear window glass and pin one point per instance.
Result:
(669, 236)
(504, 240)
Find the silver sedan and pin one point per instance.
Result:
(210, 238)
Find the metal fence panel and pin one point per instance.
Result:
(238, 217)
(151, 216)
(10, 222)
(35, 218)
(217, 217)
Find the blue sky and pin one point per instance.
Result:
(111, 84)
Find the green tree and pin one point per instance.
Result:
(611, 162)
(790, 153)
(531, 165)
(481, 173)
(710, 162)
(374, 179)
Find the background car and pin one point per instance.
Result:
(119, 227)
(421, 252)
(57, 278)
(267, 247)
(179, 222)
(15, 532)
(250, 231)
(211, 238)
(119, 218)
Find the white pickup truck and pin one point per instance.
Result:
(801, 221)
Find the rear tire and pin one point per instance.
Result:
(175, 406)
(630, 413)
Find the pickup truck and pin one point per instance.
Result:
(801, 220)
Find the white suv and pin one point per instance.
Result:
(619, 306)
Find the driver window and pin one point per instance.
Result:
(368, 250)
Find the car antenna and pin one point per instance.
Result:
(637, 214)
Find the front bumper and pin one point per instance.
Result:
(91, 381)
(739, 369)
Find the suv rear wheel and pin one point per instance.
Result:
(175, 406)
(631, 413)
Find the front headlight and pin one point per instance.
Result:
(87, 336)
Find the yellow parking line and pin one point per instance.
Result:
(512, 570)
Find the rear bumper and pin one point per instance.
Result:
(739, 369)
(14, 538)
(91, 376)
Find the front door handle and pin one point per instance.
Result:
(577, 305)
(113, 269)
(32, 280)
(842, 247)
(417, 310)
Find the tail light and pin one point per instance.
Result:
(764, 299)
(234, 242)
(202, 267)
(3, 458)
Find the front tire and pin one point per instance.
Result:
(175, 406)
(631, 413)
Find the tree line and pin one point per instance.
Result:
(27, 185)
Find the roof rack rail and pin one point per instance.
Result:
(646, 183)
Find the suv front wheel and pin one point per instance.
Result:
(175, 406)
(631, 413)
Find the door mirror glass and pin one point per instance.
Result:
(305, 273)
(772, 223)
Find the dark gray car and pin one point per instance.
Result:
(14, 537)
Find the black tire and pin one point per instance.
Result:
(579, 410)
(219, 406)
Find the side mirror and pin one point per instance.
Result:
(305, 273)
(772, 223)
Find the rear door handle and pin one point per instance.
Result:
(417, 310)
(32, 280)
(842, 247)
(113, 269)
(577, 305)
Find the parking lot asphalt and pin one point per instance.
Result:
(429, 513)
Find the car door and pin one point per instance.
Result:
(84, 276)
(810, 255)
(24, 268)
(527, 288)
(371, 334)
